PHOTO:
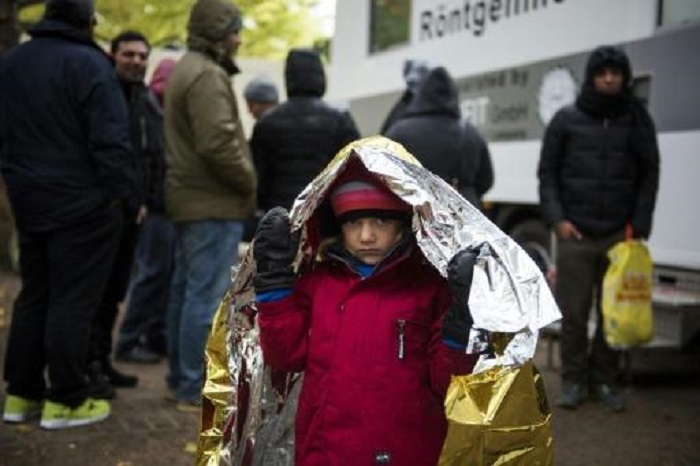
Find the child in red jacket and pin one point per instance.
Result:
(373, 326)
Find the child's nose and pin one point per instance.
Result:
(367, 233)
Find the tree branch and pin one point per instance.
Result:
(25, 3)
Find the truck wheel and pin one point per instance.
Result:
(535, 238)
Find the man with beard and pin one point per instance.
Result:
(130, 51)
(142, 334)
(209, 190)
(599, 174)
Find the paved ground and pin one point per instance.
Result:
(661, 428)
(144, 429)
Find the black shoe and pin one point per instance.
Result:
(156, 344)
(139, 355)
(572, 395)
(609, 397)
(119, 379)
(98, 383)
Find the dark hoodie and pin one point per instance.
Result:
(294, 141)
(599, 166)
(432, 131)
(602, 105)
(67, 149)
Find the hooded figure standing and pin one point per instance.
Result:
(294, 141)
(431, 129)
(210, 186)
(598, 172)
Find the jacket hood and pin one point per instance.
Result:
(608, 55)
(209, 24)
(160, 77)
(436, 95)
(304, 74)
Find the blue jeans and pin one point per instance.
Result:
(144, 321)
(204, 254)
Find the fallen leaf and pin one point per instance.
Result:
(191, 447)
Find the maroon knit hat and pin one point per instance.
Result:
(361, 198)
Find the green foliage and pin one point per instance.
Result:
(271, 27)
(390, 23)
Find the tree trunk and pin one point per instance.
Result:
(9, 25)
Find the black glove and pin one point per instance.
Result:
(274, 249)
(458, 319)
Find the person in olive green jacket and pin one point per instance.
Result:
(210, 186)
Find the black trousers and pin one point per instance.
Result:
(64, 272)
(581, 266)
(105, 317)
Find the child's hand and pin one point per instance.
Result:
(274, 249)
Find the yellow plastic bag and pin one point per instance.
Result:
(626, 306)
(498, 417)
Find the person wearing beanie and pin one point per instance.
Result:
(69, 171)
(260, 95)
(365, 325)
(296, 139)
(78, 13)
(209, 188)
(598, 173)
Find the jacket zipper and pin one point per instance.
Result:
(401, 324)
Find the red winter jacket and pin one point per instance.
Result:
(376, 370)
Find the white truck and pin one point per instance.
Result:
(516, 62)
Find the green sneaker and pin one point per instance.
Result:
(18, 409)
(58, 416)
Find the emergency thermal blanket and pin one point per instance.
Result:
(248, 412)
(498, 417)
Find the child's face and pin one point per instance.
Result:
(370, 239)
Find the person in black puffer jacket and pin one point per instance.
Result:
(432, 131)
(599, 173)
(294, 141)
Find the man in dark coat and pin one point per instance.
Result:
(68, 166)
(432, 131)
(142, 334)
(150, 230)
(130, 52)
(294, 141)
(598, 172)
